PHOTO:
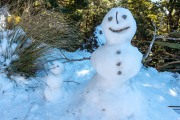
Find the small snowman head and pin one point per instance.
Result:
(56, 67)
(118, 26)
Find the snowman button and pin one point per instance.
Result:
(118, 52)
(118, 64)
(119, 72)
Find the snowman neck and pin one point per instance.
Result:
(116, 41)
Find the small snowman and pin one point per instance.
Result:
(54, 90)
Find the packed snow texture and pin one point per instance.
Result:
(74, 91)
(24, 98)
(109, 92)
(100, 38)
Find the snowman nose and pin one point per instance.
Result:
(117, 17)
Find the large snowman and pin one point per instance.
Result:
(110, 95)
(117, 60)
(107, 94)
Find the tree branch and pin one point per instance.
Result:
(165, 37)
(170, 63)
(152, 42)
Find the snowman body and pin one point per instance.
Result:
(117, 62)
(54, 81)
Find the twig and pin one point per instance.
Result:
(165, 37)
(64, 55)
(170, 63)
(172, 55)
(73, 82)
(68, 60)
(28, 112)
(81, 59)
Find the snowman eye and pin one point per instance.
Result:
(124, 16)
(110, 19)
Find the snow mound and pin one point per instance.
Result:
(25, 99)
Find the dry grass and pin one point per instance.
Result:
(53, 28)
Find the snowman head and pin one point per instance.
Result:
(56, 67)
(118, 26)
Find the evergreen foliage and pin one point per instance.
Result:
(80, 17)
(167, 23)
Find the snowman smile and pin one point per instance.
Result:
(120, 30)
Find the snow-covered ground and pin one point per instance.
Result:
(24, 99)
(70, 89)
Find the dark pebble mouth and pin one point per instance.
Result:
(120, 30)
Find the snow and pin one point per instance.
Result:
(25, 99)
(78, 91)
(109, 93)
(101, 40)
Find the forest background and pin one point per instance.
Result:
(70, 25)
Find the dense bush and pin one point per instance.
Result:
(71, 23)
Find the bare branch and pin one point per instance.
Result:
(170, 63)
(81, 59)
(152, 42)
(157, 37)
(64, 54)
(172, 55)
(71, 60)
(73, 82)
(165, 37)
(29, 111)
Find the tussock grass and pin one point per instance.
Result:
(29, 51)
(53, 28)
